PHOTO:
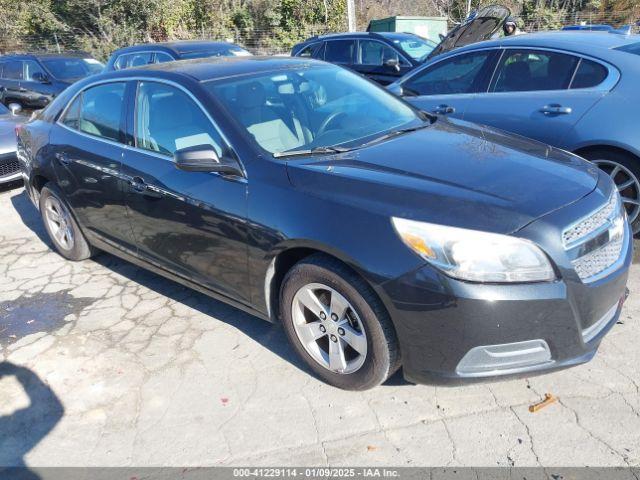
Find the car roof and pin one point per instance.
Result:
(177, 47)
(579, 41)
(205, 69)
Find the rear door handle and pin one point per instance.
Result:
(444, 109)
(62, 158)
(555, 109)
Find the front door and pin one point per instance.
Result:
(87, 149)
(449, 86)
(380, 62)
(190, 223)
(11, 77)
(539, 94)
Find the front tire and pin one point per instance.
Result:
(62, 228)
(337, 324)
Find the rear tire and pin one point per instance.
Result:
(624, 169)
(62, 228)
(361, 328)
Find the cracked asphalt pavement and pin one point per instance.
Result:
(105, 364)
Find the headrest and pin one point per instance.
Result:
(251, 95)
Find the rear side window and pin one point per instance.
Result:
(121, 62)
(456, 75)
(12, 70)
(98, 111)
(534, 70)
(339, 51)
(167, 119)
(162, 57)
(589, 74)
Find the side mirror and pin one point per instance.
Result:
(393, 63)
(15, 108)
(204, 158)
(40, 77)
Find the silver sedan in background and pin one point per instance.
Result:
(573, 90)
(9, 166)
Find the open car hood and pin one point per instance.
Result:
(480, 25)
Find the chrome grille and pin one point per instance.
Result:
(595, 262)
(590, 224)
(595, 243)
(9, 168)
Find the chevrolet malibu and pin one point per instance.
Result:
(378, 235)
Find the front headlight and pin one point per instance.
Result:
(474, 255)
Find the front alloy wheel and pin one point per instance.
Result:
(337, 324)
(329, 328)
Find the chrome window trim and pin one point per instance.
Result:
(138, 79)
(612, 79)
(358, 53)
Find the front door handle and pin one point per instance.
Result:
(444, 109)
(62, 158)
(555, 109)
(138, 184)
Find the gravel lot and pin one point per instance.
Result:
(102, 363)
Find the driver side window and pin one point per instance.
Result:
(167, 119)
(456, 75)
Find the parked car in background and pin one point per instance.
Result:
(301, 192)
(573, 90)
(9, 166)
(387, 56)
(32, 80)
(148, 53)
(383, 57)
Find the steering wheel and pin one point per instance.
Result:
(324, 126)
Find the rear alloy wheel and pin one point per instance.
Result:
(62, 227)
(337, 324)
(624, 172)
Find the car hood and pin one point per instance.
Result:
(480, 25)
(451, 173)
(8, 133)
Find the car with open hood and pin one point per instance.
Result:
(387, 56)
(380, 236)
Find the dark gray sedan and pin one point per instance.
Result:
(574, 90)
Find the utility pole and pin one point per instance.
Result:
(468, 7)
(351, 15)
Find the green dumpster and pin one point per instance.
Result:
(427, 27)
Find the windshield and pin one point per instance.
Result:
(417, 48)
(230, 51)
(312, 108)
(72, 68)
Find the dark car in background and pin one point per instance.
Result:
(32, 80)
(148, 53)
(301, 192)
(574, 90)
(387, 56)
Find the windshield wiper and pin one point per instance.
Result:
(310, 151)
(395, 133)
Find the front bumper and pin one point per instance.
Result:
(9, 168)
(453, 330)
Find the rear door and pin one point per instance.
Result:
(87, 146)
(540, 94)
(36, 93)
(380, 62)
(340, 52)
(449, 86)
(189, 223)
